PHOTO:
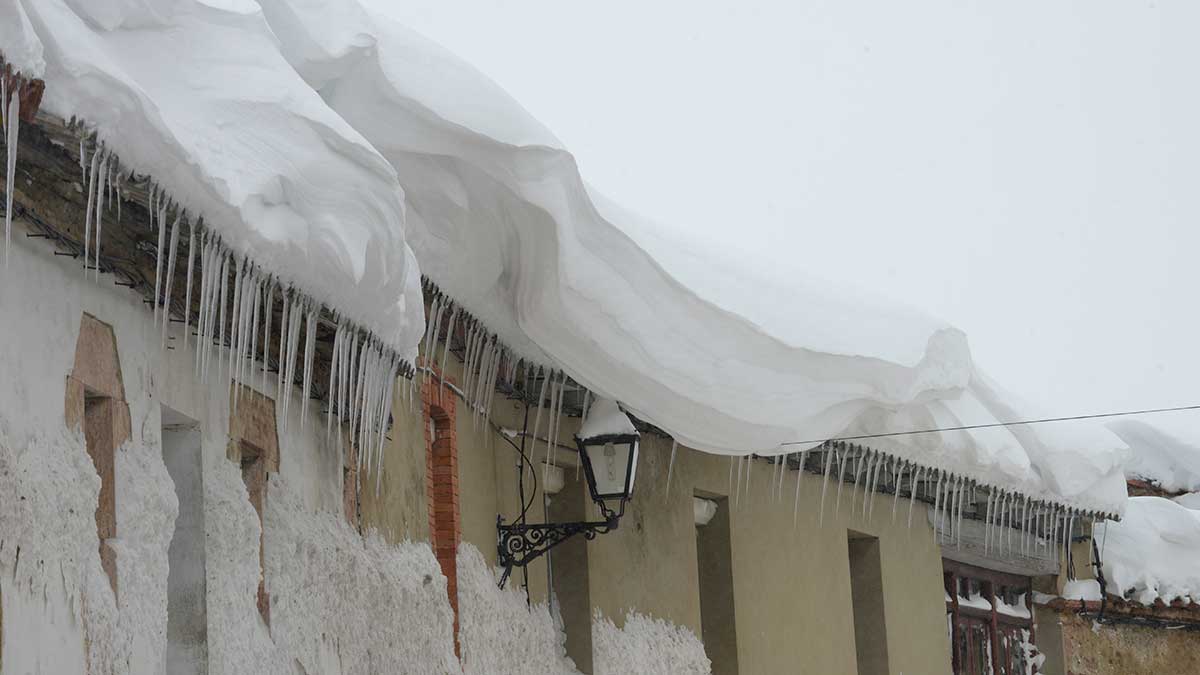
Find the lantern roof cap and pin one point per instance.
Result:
(605, 418)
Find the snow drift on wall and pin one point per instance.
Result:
(646, 645)
(60, 605)
(196, 94)
(498, 631)
(723, 358)
(340, 602)
(1152, 553)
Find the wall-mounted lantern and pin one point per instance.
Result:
(608, 448)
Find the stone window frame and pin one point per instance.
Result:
(95, 402)
(254, 448)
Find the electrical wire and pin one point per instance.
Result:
(967, 427)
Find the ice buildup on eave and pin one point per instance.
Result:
(197, 96)
(545, 271)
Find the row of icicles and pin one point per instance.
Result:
(487, 362)
(236, 299)
(1012, 522)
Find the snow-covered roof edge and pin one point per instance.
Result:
(488, 361)
(364, 367)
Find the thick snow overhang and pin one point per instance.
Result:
(544, 273)
(178, 150)
(551, 287)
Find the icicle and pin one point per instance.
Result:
(430, 329)
(100, 192)
(799, 475)
(777, 485)
(987, 522)
(4, 117)
(269, 310)
(961, 507)
(446, 349)
(223, 301)
(671, 465)
(204, 265)
(731, 463)
(158, 260)
(285, 332)
(897, 468)
(537, 418)
(562, 385)
(912, 495)
(257, 292)
(737, 498)
(310, 338)
(841, 476)
(13, 120)
(235, 324)
(937, 505)
(187, 296)
(749, 468)
(825, 482)
(869, 463)
(87, 218)
(171, 255)
(334, 355)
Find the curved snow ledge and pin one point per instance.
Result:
(1166, 453)
(197, 95)
(1152, 553)
(725, 360)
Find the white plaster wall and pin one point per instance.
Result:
(56, 592)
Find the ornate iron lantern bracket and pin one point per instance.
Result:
(521, 543)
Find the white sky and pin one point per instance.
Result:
(1028, 171)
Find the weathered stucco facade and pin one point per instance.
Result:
(789, 581)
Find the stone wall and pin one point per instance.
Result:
(1125, 649)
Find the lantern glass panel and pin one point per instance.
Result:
(611, 467)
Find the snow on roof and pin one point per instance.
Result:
(197, 95)
(219, 102)
(725, 360)
(1165, 450)
(1151, 554)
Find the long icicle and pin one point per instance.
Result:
(671, 467)
(912, 495)
(91, 205)
(172, 253)
(446, 350)
(158, 260)
(269, 311)
(897, 471)
(537, 418)
(187, 295)
(331, 392)
(825, 482)
(799, 475)
(310, 338)
(11, 139)
(100, 194)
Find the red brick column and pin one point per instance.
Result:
(441, 484)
